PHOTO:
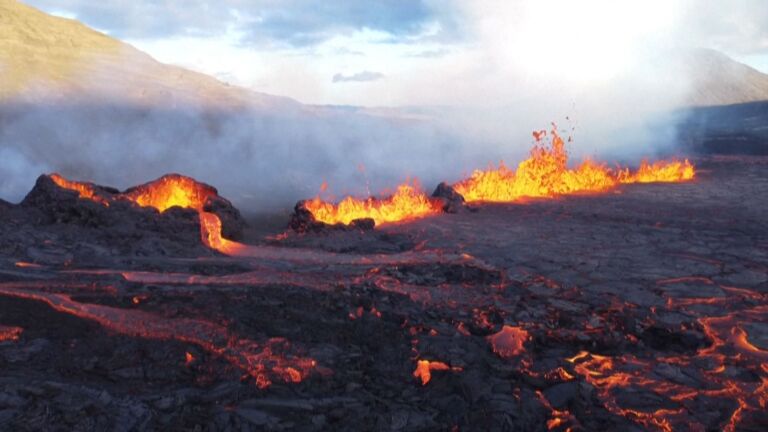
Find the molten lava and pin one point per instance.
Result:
(545, 174)
(424, 370)
(408, 202)
(10, 333)
(509, 341)
(210, 231)
(660, 171)
(169, 191)
(263, 361)
(179, 191)
(86, 190)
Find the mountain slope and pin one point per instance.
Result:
(717, 79)
(52, 58)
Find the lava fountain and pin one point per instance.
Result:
(545, 174)
(408, 202)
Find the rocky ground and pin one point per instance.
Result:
(643, 308)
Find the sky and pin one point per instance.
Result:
(420, 52)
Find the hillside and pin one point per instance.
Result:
(716, 79)
(52, 58)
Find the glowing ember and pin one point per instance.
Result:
(509, 341)
(10, 333)
(408, 202)
(546, 174)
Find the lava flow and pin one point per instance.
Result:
(408, 202)
(262, 361)
(509, 341)
(546, 174)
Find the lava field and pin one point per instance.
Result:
(643, 307)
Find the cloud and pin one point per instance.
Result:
(290, 23)
(427, 54)
(346, 51)
(364, 76)
(738, 27)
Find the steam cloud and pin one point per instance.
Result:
(616, 85)
(263, 159)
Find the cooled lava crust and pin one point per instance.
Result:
(645, 308)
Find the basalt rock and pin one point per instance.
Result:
(232, 222)
(452, 200)
(127, 225)
(59, 205)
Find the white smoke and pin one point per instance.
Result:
(612, 68)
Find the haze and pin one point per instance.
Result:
(430, 89)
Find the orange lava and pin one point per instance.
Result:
(86, 190)
(424, 370)
(24, 264)
(172, 190)
(408, 202)
(509, 341)
(10, 333)
(210, 231)
(546, 174)
(660, 171)
(178, 191)
(263, 361)
(730, 350)
(559, 418)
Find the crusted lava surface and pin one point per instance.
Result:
(641, 308)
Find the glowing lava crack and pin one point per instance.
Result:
(260, 361)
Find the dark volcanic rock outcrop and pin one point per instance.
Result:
(452, 200)
(59, 205)
(61, 215)
(161, 192)
(232, 222)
